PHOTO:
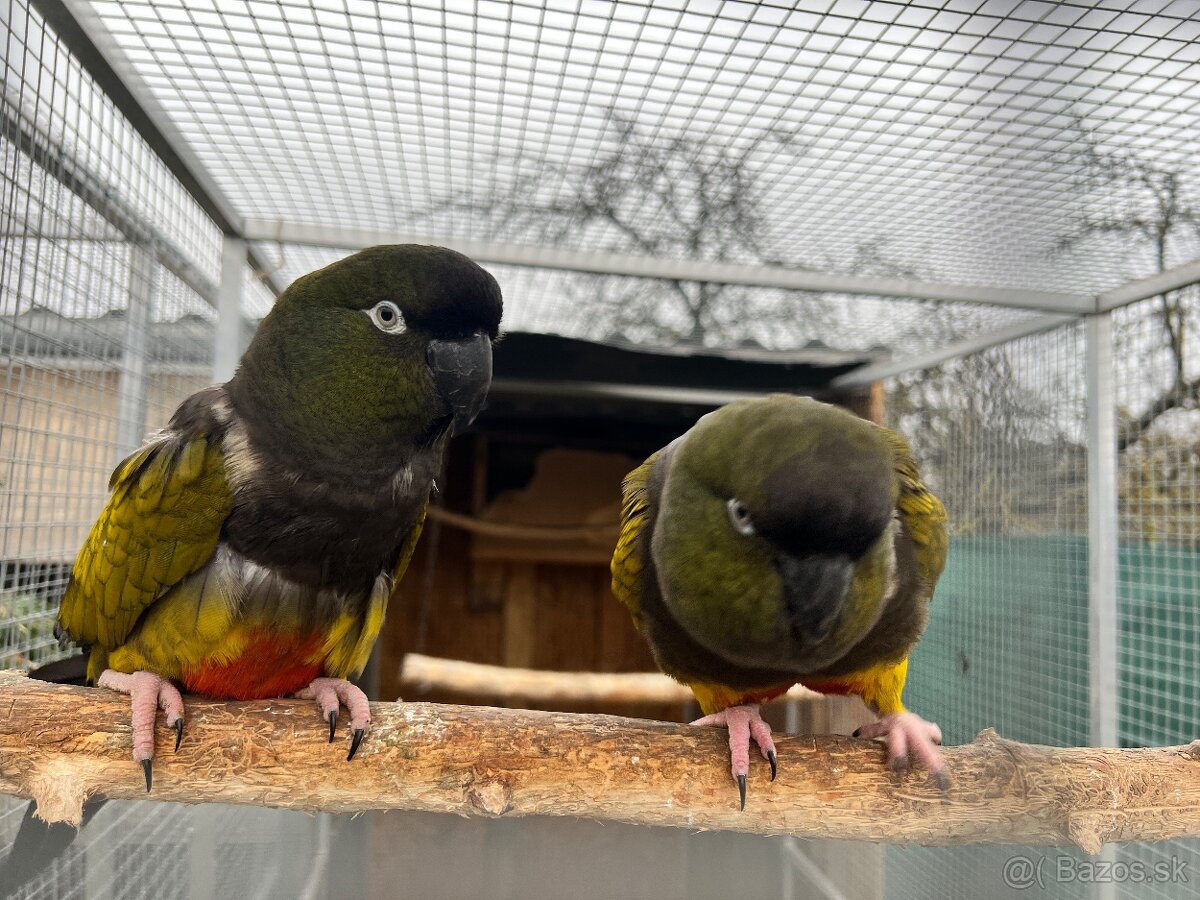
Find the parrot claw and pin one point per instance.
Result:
(357, 739)
(148, 767)
(332, 693)
(909, 736)
(148, 693)
(745, 724)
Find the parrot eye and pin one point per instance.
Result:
(739, 517)
(386, 316)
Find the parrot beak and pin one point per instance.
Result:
(814, 592)
(462, 374)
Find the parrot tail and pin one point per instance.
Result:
(39, 843)
(72, 670)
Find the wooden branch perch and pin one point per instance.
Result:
(601, 533)
(505, 683)
(59, 744)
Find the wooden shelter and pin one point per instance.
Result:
(513, 566)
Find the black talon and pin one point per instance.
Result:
(146, 767)
(358, 736)
(857, 733)
(178, 732)
(332, 724)
(774, 763)
(940, 780)
(742, 789)
(900, 763)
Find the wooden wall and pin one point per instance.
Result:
(542, 606)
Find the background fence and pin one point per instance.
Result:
(1007, 646)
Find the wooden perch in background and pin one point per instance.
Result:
(601, 533)
(59, 744)
(538, 686)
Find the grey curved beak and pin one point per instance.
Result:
(462, 374)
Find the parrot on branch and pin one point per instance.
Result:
(779, 541)
(249, 549)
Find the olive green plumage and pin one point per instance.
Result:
(252, 544)
(249, 549)
(329, 378)
(781, 540)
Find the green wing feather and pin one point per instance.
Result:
(162, 523)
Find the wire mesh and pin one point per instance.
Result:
(1159, 572)
(954, 132)
(1006, 143)
(1000, 437)
(648, 311)
(99, 338)
(102, 333)
(165, 850)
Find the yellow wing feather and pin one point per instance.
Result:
(922, 512)
(161, 523)
(627, 563)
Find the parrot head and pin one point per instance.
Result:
(774, 538)
(389, 347)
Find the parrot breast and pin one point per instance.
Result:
(271, 665)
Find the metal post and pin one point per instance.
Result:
(227, 342)
(135, 356)
(1102, 548)
(1102, 533)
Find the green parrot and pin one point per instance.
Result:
(780, 541)
(248, 550)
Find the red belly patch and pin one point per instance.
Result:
(272, 665)
(835, 688)
(764, 696)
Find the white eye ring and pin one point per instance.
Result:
(386, 316)
(739, 517)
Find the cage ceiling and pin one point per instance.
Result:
(871, 159)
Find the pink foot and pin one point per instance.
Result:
(744, 722)
(332, 693)
(148, 693)
(909, 735)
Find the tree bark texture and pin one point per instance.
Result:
(60, 744)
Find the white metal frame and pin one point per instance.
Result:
(1054, 310)
(164, 136)
(632, 265)
(1102, 531)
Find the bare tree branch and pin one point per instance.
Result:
(1161, 214)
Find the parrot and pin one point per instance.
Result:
(782, 540)
(249, 549)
